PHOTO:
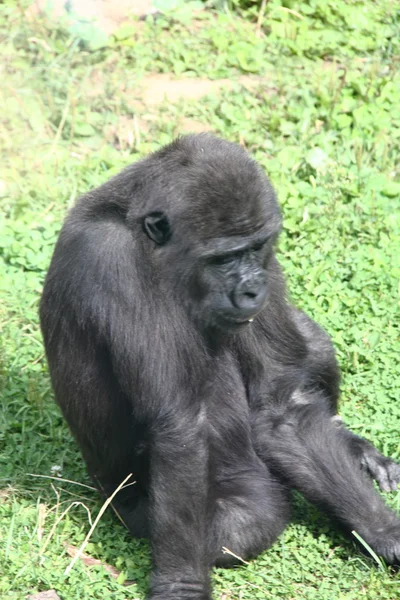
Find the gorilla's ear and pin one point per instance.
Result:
(157, 227)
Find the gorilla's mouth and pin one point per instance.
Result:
(234, 323)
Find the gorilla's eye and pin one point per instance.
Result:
(225, 259)
(259, 246)
(157, 227)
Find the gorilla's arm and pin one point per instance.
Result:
(322, 367)
(179, 466)
(384, 470)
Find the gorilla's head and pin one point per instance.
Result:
(213, 222)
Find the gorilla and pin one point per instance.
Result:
(175, 356)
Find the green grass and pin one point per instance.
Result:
(324, 121)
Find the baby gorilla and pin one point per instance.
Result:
(174, 356)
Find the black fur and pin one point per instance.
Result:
(145, 316)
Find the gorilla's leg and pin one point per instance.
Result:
(304, 446)
(250, 510)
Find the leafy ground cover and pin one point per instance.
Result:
(322, 115)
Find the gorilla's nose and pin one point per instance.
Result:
(249, 295)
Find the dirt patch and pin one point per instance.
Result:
(49, 595)
(192, 126)
(143, 96)
(160, 88)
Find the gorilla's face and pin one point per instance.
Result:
(223, 281)
(230, 284)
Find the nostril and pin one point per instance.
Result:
(247, 299)
(251, 295)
